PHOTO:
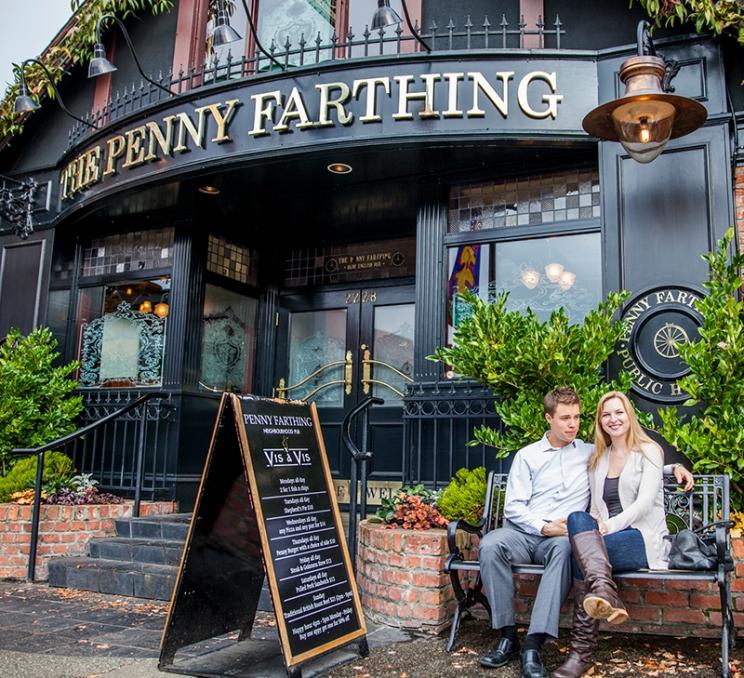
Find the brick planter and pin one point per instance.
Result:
(63, 531)
(400, 578)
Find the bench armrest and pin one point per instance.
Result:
(725, 559)
(455, 525)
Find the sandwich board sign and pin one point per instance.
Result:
(266, 504)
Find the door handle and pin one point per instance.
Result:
(348, 373)
(282, 391)
(366, 369)
(367, 380)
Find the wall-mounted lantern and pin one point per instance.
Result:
(648, 115)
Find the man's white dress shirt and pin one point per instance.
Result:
(546, 483)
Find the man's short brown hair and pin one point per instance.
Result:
(562, 396)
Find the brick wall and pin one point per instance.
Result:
(400, 579)
(63, 531)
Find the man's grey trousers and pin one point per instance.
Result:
(504, 546)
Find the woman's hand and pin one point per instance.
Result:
(600, 524)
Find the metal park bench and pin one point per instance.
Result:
(706, 504)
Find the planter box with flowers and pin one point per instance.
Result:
(64, 530)
(73, 512)
(400, 561)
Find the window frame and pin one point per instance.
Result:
(513, 234)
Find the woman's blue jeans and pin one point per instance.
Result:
(625, 548)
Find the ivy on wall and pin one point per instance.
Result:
(719, 16)
(75, 47)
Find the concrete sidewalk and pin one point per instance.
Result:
(59, 633)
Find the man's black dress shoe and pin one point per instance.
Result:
(502, 654)
(532, 666)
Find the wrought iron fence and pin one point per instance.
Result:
(91, 442)
(309, 51)
(110, 452)
(439, 418)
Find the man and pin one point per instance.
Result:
(547, 481)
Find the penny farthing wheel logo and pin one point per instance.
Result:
(658, 320)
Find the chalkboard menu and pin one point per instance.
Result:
(266, 502)
(305, 552)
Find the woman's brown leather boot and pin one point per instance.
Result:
(601, 600)
(583, 638)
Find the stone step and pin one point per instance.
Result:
(121, 578)
(172, 527)
(143, 580)
(153, 551)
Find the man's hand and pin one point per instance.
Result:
(683, 477)
(555, 528)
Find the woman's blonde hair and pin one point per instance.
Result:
(634, 439)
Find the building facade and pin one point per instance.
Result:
(299, 223)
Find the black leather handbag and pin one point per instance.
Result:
(696, 550)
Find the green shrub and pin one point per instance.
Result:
(713, 436)
(58, 468)
(465, 496)
(37, 400)
(520, 358)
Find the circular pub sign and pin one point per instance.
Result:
(657, 321)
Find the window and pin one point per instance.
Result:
(540, 243)
(228, 340)
(291, 21)
(528, 201)
(58, 310)
(232, 260)
(124, 252)
(298, 24)
(121, 333)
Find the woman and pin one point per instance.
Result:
(625, 530)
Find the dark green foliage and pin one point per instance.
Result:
(713, 438)
(37, 400)
(521, 358)
(58, 469)
(465, 496)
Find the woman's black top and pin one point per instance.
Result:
(612, 497)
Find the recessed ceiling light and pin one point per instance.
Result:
(207, 189)
(339, 168)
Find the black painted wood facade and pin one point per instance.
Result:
(656, 220)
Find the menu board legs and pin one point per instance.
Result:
(266, 506)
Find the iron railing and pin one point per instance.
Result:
(106, 456)
(360, 459)
(439, 418)
(309, 51)
(107, 453)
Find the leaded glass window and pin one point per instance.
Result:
(231, 260)
(124, 252)
(527, 201)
